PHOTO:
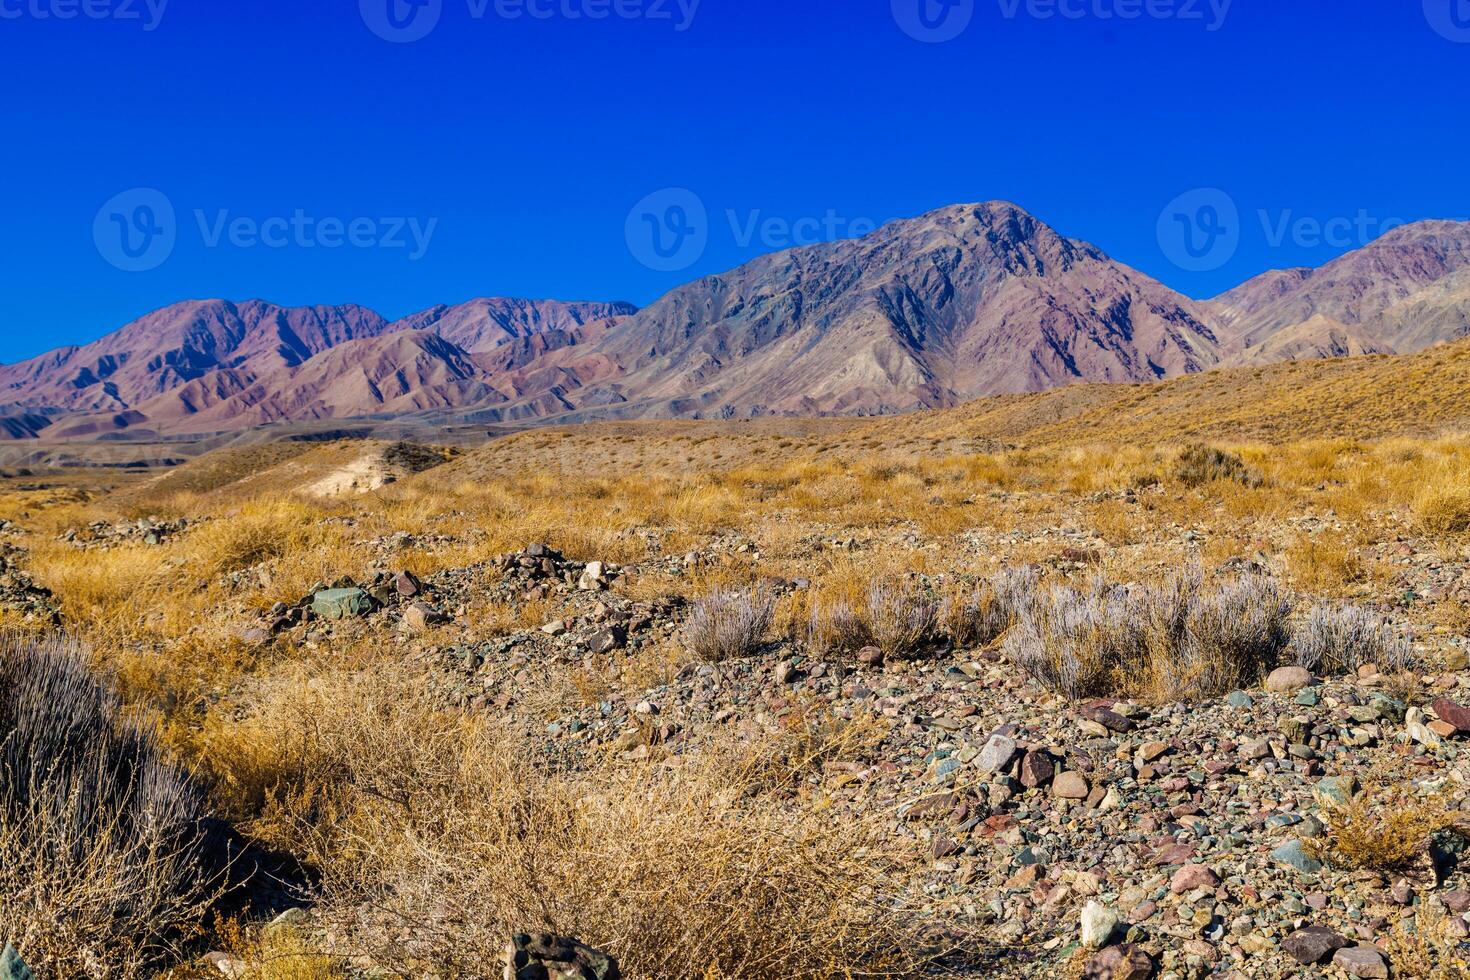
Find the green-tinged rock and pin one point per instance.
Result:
(1240, 699)
(12, 967)
(1335, 790)
(341, 603)
(1293, 854)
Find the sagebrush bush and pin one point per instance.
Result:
(1175, 639)
(836, 629)
(901, 617)
(101, 846)
(729, 623)
(1341, 639)
(1199, 465)
(978, 617)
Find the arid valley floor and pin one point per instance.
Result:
(1110, 682)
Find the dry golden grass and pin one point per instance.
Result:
(332, 754)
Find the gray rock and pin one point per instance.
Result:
(12, 967)
(1362, 961)
(1293, 854)
(997, 754)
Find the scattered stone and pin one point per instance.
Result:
(12, 967)
(1313, 944)
(870, 657)
(1288, 680)
(1362, 961)
(543, 957)
(1294, 854)
(997, 754)
(1037, 770)
(1098, 923)
(1119, 963)
(336, 604)
(1192, 877)
(1070, 786)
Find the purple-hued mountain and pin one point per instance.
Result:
(966, 301)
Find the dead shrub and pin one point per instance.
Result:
(1201, 465)
(445, 835)
(1341, 639)
(101, 863)
(728, 624)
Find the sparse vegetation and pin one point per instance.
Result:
(729, 624)
(1173, 639)
(1341, 639)
(102, 862)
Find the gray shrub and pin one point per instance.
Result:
(100, 836)
(901, 617)
(729, 623)
(1340, 639)
(1179, 638)
(982, 616)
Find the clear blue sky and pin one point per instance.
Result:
(519, 144)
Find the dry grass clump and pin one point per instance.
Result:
(1443, 509)
(729, 624)
(1387, 828)
(101, 863)
(1325, 563)
(901, 617)
(276, 952)
(1176, 639)
(438, 836)
(1341, 639)
(1201, 465)
(978, 617)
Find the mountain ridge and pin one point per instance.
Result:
(926, 312)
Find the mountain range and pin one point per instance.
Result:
(928, 312)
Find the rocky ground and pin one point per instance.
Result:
(1121, 839)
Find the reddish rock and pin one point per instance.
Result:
(1452, 713)
(1191, 877)
(1119, 963)
(1037, 770)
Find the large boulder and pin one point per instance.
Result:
(341, 603)
(539, 956)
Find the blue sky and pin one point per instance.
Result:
(306, 159)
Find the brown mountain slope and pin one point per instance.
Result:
(175, 345)
(965, 301)
(482, 325)
(1319, 338)
(1407, 290)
